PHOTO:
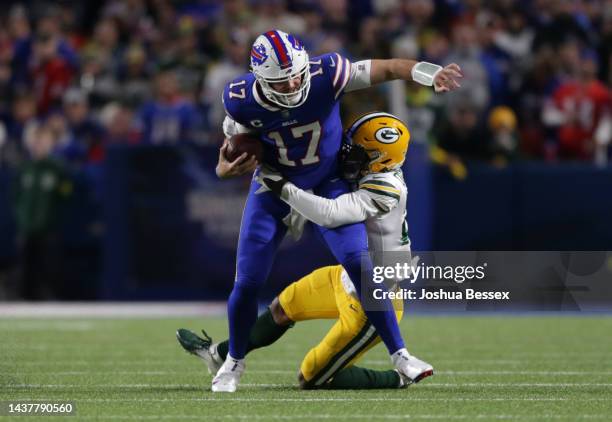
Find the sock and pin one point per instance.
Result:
(356, 378)
(264, 333)
(383, 315)
(242, 313)
(399, 356)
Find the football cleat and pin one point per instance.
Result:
(200, 347)
(228, 377)
(410, 368)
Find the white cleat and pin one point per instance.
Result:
(228, 376)
(410, 369)
(211, 358)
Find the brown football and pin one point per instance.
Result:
(244, 142)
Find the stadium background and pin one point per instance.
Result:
(118, 104)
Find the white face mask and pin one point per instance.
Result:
(293, 100)
(287, 99)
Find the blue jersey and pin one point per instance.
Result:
(301, 142)
(168, 123)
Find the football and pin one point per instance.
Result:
(244, 142)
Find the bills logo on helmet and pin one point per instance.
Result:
(387, 135)
(295, 42)
(258, 54)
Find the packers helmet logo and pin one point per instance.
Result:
(387, 135)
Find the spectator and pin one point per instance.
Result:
(516, 38)
(504, 136)
(44, 60)
(467, 51)
(50, 73)
(336, 20)
(313, 34)
(462, 134)
(136, 75)
(119, 126)
(42, 188)
(21, 119)
(19, 24)
(84, 143)
(170, 119)
(190, 64)
(274, 14)
(578, 109)
(232, 65)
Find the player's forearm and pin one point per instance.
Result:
(322, 211)
(389, 70)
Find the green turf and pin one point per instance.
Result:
(488, 368)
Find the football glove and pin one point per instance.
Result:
(271, 180)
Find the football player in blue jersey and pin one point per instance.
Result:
(291, 101)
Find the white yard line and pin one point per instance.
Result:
(352, 416)
(130, 349)
(331, 399)
(143, 360)
(426, 385)
(293, 372)
(111, 309)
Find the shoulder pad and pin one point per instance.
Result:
(383, 188)
(337, 69)
(235, 94)
(390, 179)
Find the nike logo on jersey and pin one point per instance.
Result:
(333, 63)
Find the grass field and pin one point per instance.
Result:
(488, 368)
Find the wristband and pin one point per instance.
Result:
(424, 73)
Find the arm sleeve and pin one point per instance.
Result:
(345, 209)
(359, 77)
(369, 201)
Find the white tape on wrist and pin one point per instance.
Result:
(425, 73)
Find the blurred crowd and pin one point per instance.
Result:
(537, 72)
(77, 78)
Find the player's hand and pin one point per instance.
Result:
(240, 166)
(270, 179)
(446, 79)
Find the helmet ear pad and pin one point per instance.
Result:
(354, 160)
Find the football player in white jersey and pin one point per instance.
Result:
(376, 149)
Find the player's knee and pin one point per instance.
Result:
(352, 261)
(247, 285)
(278, 313)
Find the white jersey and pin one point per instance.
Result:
(380, 201)
(387, 228)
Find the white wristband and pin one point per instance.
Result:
(425, 73)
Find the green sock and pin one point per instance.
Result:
(264, 333)
(356, 378)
